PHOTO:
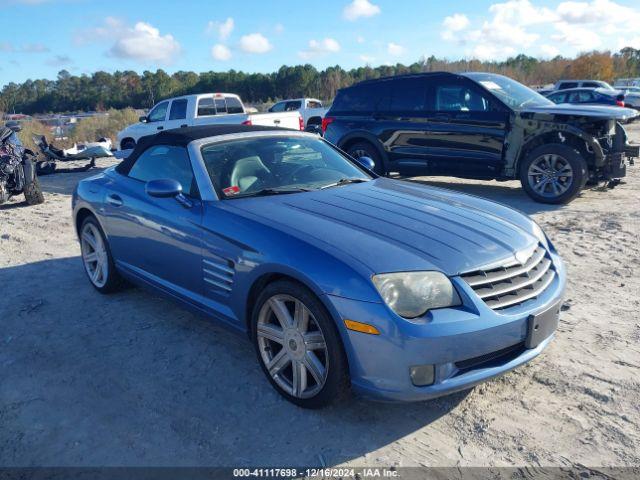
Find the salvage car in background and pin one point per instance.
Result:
(310, 109)
(480, 125)
(588, 96)
(202, 109)
(339, 277)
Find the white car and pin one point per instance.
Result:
(202, 109)
(311, 109)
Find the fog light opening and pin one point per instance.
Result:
(422, 375)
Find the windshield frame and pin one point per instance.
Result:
(477, 78)
(209, 192)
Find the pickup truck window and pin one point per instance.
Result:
(159, 113)
(313, 104)
(178, 109)
(221, 106)
(293, 106)
(234, 105)
(278, 107)
(206, 107)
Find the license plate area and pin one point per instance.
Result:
(542, 325)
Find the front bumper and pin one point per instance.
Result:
(379, 364)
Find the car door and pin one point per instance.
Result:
(157, 239)
(177, 114)
(157, 117)
(401, 124)
(467, 129)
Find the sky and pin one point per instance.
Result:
(38, 38)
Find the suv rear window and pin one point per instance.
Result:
(359, 98)
(406, 95)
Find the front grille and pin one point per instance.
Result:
(489, 359)
(513, 283)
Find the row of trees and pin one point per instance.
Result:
(122, 89)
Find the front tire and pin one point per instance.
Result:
(33, 192)
(365, 149)
(127, 144)
(553, 174)
(97, 259)
(298, 346)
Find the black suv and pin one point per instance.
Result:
(480, 125)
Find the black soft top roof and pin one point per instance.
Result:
(183, 137)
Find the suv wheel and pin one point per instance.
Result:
(365, 149)
(298, 346)
(553, 174)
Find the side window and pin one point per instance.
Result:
(566, 85)
(159, 113)
(234, 105)
(278, 107)
(459, 98)
(408, 95)
(558, 97)
(293, 106)
(314, 104)
(162, 161)
(206, 107)
(590, 85)
(178, 110)
(221, 105)
(580, 97)
(365, 98)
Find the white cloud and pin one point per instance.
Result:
(220, 52)
(318, 48)
(456, 22)
(367, 59)
(59, 61)
(395, 49)
(144, 43)
(255, 43)
(549, 51)
(222, 29)
(360, 8)
(517, 26)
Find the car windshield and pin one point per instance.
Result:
(512, 93)
(277, 164)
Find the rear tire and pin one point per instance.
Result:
(305, 341)
(33, 192)
(553, 174)
(365, 149)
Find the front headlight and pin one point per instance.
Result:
(411, 294)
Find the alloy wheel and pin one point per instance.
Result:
(94, 255)
(292, 346)
(550, 175)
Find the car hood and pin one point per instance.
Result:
(593, 111)
(390, 225)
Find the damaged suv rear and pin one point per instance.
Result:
(482, 126)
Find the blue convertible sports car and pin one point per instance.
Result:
(341, 279)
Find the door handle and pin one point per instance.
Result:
(277, 122)
(114, 200)
(160, 128)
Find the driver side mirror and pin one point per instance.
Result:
(366, 162)
(143, 119)
(167, 188)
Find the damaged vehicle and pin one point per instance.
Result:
(481, 126)
(17, 169)
(87, 151)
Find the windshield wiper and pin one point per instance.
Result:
(270, 191)
(345, 181)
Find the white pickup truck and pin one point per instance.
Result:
(311, 109)
(202, 109)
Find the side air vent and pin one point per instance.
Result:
(218, 274)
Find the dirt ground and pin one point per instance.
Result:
(132, 379)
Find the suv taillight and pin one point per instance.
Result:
(247, 122)
(301, 122)
(325, 123)
(620, 103)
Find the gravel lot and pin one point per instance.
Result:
(132, 379)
